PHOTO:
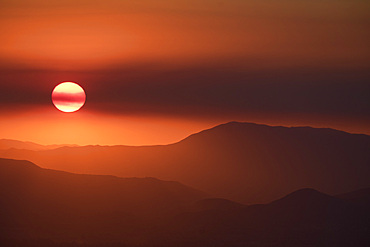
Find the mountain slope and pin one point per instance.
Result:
(9, 144)
(360, 197)
(245, 162)
(40, 207)
(303, 218)
(36, 201)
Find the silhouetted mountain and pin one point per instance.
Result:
(302, 218)
(310, 208)
(48, 208)
(216, 204)
(9, 144)
(360, 197)
(244, 162)
(303, 198)
(37, 203)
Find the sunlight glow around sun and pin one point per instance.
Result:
(68, 97)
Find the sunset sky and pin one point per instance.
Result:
(156, 71)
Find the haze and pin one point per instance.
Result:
(156, 73)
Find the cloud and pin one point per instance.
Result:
(205, 59)
(202, 91)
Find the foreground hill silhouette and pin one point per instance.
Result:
(303, 218)
(245, 162)
(35, 200)
(41, 207)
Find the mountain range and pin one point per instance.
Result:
(243, 162)
(9, 144)
(42, 207)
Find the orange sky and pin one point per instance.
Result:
(50, 126)
(98, 34)
(47, 126)
(155, 72)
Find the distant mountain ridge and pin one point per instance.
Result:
(22, 180)
(48, 208)
(302, 218)
(361, 197)
(15, 144)
(244, 162)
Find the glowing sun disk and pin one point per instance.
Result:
(68, 97)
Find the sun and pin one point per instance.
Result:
(68, 97)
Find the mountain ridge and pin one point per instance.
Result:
(42, 207)
(27, 145)
(11, 163)
(227, 124)
(238, 161)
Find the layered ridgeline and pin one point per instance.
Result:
(245, 162)
(42, 189)
(41, 207)
(42, 203)
(14, 144)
